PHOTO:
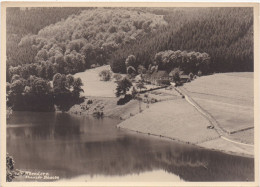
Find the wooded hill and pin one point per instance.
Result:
(73, 44)
(69, 40)
(23, 21)
(226, 34)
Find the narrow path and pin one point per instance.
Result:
(236, 142)
(213, 121)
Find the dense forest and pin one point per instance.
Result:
(44, 43)
(226, 34)
(26, 90)
(23, 21)
(73, 44)
(75, 38)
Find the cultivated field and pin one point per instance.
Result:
(236, 86)
(175, 119)
(227, 146)
(229, 98)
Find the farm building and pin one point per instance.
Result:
(184, 78)
(158, 78)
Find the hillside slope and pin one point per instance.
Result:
(71, 45)
(110, 35)
(100, 31)
(23, 21)
(226, 34)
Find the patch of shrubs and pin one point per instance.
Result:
(89, 102)
(163, 82)
(191, 76)
(117, 77)
(124, 100)
(11, 173)
(178, 83)
(98, 114)
(153, 100)
(105, 75)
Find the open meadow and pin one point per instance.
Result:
(92, 85)
(175, 119)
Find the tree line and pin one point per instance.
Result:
(189, 62)
(38, 94)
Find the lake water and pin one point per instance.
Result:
(88, 149)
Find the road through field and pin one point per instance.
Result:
(229, 99)
(213, 121)
(236, 142)
(228, 110)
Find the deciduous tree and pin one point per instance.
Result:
(123, 86)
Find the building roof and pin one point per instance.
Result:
(173, 72)
(159, 74)
(184, 77)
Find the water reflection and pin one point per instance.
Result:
(70, 147)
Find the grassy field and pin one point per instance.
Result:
(232, 86)
(92, 85)
(175, 119)
(221, 144)
(229, 98)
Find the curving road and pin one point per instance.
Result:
(213, 121)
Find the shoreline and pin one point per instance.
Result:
(178, 114)
(107, 105)
(152, 135)
(192, 136)
(188, 143)
(126, 113)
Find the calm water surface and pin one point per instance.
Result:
(89, 149)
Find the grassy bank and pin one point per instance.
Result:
(108, 106)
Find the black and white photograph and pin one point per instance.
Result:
(120, 93)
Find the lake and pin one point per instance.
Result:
(75, 148)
